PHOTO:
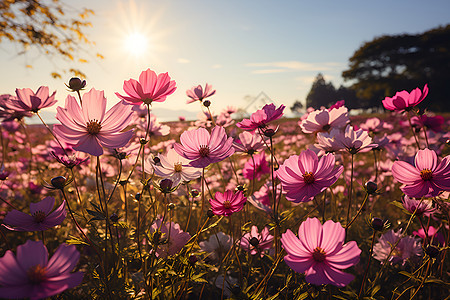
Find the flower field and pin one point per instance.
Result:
(112, 204)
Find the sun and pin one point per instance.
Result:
(136, 44)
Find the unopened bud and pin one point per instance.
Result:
(114, 217)
(269, 132)
(58, 182)
(193, 259)
(432, 251)
(377, 224)
(76, 84)
(210, 213)
(206, 103)
(371, 187)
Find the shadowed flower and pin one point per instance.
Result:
(404, 100)
(30, 274)
(172, 238)
(150, 88)
(203, 148)
(226, 204)
(324, 120)
(355, 141)
(197, 93)
(420, 207)
(41, 218)
(173, 166)
(217, 245)
(434, 237)
(8, 111)
(256, 167)
(304, 176)
(319, 252)
(255, 242)
(27, 100)
(262, 117)
(407, 248)
(249, 143)
(89, 128)
(427, 178)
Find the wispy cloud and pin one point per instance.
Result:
(216, 66)
(291, 66)
(183, 61)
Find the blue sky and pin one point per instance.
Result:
(240, 47)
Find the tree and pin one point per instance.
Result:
(321, 93)
(392, 63)
(45, 26)
(297, 107)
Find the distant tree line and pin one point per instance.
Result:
(388, 64)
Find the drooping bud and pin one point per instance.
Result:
(76, 84)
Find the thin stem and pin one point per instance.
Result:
(51, 132)
(412, 129)
(350, 192)
(368, 265)
(359, 211)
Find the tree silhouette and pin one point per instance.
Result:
(321, 93)
(47, 27)
(389, 64)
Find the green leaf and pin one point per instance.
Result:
(75, 241)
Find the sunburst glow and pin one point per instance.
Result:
(136, 44)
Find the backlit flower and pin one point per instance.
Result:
(42, 217)
(407, 248)
(355, 141)
(249, 143)
(27, 100)
(226, 204)
(256, 167)
(30, 274)
(416, 205)
(324, 120)
(150, 88)
(197, 93)
(203, 148)
(255, 242)
(427, 177)
(304, 176)
(404, 100)
(172, 238)
(262, 117)
(319, 252)
(217, 245)
(89, 128)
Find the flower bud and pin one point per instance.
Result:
(194, 193)
(269, 132)
(114, 218)
(165, 185)
(206, 103)
(156, 160)
(76, 84)
(192, 259)
(371, 187)
(171, 206)
(137, 196)
(377, 224)
(210, 213)
(58, 182)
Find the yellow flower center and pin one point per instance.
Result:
(204, 151)
(426, 174)
(177, 167)
(39, 216)
(308, 177)
(93, 127)
(319, 254)
(37, 274)
(227, 204)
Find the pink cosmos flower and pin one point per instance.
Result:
(196, 93)
(173, 166)
(304, 176)
(427, 177)
(434, 236)
(203, 148)
(432, 122)
(225, 204)
(89, 128)
(255, 242)
(420, 207)
(355, 141)
(256, 167)
(30, 274)
(324, 120)
(404, 100)
(408, 247)
(41, 218)
(27, 100)
(262, 117)
(320, 252)
(249, 143)
(150, 88)
(329, 142)
(172, 239)
(338, 104)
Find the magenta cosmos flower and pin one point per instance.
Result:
(197, 93)
(404, 100)
(320, 252)
(262, 117)
(89, 128)
(304, 176)
(30, 274)
(427, 178)
(256, 167)
(226, 204)
(203, 148)
(41, 218)
(150, 88)
(27, 100)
